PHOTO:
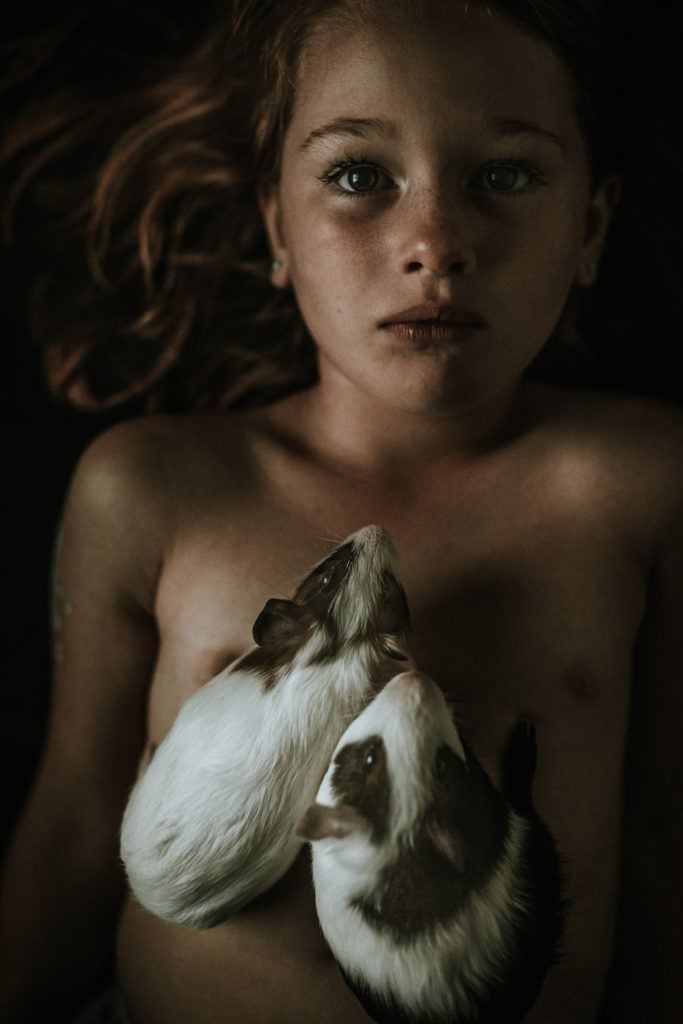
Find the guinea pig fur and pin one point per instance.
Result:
(211, 822)
(440, 897)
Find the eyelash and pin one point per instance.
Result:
(534, 175)
(331, 177)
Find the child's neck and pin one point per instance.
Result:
(354, 430)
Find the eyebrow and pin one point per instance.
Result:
(361, 127)
(504, 127)
(354, 127)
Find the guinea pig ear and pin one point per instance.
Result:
(276, 622)
(322, 822)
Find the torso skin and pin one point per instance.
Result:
(526, 569)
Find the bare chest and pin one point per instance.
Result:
(520, 607)
(517, 609)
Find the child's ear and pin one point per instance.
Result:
(269, 204)
(599, 213)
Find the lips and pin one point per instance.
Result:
(432, 323)
(434, 314)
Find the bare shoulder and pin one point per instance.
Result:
(612, 420)
(162, 459)
(138, 483)
(118, 484)
(157, 443)
(627, 450)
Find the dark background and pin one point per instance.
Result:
(41, 443)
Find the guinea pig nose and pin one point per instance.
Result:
(415, 684)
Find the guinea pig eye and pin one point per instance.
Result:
(326, 576)
(371, 756)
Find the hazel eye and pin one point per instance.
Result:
(363, 178)
(358, 178)
(507, 178)
(503, 179)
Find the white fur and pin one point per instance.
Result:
(413, 720)
(443, 970)
(211, 822)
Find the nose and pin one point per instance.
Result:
(433, 239)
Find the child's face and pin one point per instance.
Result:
(438, 163)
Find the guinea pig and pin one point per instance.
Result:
(440, 898)
(211, 821)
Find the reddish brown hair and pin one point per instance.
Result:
(140, 168)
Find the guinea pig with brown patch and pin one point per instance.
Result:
(440, 897)
(211, 821)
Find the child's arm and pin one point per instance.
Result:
(63, 883)
(648, 981)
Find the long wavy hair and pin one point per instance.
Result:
(130, 174)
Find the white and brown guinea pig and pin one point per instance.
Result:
(440, 897)
(211, 822)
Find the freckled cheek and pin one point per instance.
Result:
(333, 258)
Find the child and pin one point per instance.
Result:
(437, 187)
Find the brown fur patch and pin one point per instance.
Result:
(452, 852)
(268, 662)
(360, 780)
